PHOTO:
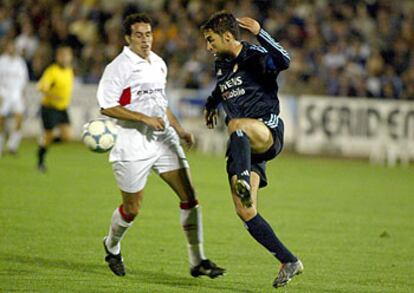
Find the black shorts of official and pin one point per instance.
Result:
(258, 161)
(52, 117)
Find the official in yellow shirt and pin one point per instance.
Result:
(56, 85)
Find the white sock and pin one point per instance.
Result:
(1, 142)
(191, 222)
(14, 141)
(117, 231)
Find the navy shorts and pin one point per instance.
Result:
(258, 161)
(52, 117)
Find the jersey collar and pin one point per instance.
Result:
(238, 58)
(135, 57)
(242, 53)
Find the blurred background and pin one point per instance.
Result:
(355, 56)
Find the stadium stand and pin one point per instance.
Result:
(339, 48)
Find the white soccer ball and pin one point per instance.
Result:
(99, 135)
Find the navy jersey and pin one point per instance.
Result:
(246, 85)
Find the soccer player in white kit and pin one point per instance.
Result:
(13, 79)
(132, 90)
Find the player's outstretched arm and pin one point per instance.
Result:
(249, 24)
(279, 54)
(122, 113)
(188, 137)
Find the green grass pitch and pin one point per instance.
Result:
(351, 223)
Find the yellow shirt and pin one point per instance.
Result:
(58, 82)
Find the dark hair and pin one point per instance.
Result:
(221, 22)
(135, 18)
(61, 47)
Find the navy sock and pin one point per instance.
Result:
(41, 155)
(264, 234)
(241, 154)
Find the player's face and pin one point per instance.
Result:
(140, 40)
(216, 44)
(64, 56)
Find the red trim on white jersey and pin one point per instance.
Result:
(125, 98)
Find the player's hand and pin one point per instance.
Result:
(249, 24)
(155, 122)
(210, 117)
(188, 139)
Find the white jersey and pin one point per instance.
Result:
(138, 85)
(13, 77)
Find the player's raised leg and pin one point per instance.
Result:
(191, 221)
(246, 136)
(263, 233)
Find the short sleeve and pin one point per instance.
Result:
(110, 87)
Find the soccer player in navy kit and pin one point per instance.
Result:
(247, 89)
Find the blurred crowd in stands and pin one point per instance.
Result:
(340, 48)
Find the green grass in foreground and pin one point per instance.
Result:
(351, 223)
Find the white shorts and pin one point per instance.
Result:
(131, 176)
(11, 106)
